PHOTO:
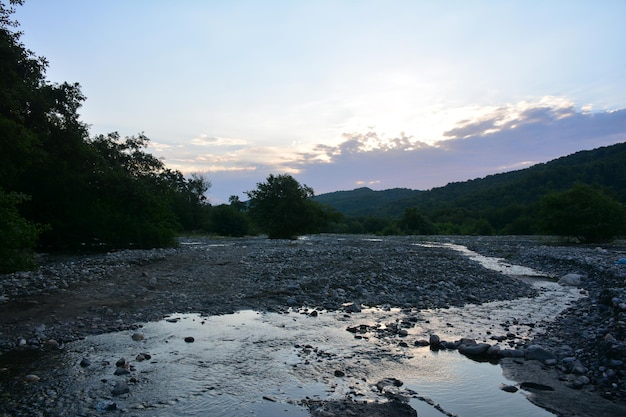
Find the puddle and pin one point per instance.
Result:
(265, 364)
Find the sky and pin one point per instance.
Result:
(342, 94)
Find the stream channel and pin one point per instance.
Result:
(269, 364)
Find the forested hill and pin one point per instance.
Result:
(604, 167)
(365, 201)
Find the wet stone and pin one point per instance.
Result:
(508, 388)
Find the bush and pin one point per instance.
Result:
(19, 236)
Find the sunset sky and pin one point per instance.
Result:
(342, 94)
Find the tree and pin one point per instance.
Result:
(414, 223)
(227, 220)
(101, 192)
(236, 203)
(284, 209)
(583, 212)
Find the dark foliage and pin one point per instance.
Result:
(19, 235)
(229, 220)
(583, 212)
(101, 192)
(284, 209)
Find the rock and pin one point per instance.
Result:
(51, 344)
(537, 352)
(508, 388)
(494, 351)
(578, 368)
(434, 341)
(121, 387)
(339, 373)
(85, 363)
(351, 308)
(120, 363)
(106, 405)
(31, 378)
(535, 386)
(448, 345)
(121, 371)
(476, 349)
(421, 342)
(388, 382)
(189, 339)
(571, 280)
(137, 337)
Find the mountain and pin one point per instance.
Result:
(604, 167)
(365, 201)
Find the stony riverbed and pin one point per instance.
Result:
(72, 297)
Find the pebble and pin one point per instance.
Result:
(593, 326)
(120, 388)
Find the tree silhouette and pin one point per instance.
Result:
(284, 209)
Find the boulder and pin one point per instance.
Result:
(537, 352)
(476, 349)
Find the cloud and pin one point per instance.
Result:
(512, 116)
(502, 140)
(206, 140)
(498, 139)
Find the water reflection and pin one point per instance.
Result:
(265, 364)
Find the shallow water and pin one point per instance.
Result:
(266, 364)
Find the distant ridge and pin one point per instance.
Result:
(603, 167)
(365, 201)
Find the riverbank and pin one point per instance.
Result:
(69, 298)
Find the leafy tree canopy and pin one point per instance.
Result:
(583, 212)
(284, 209)
(104, 191)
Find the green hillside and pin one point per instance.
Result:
(365, 201)
(505, 202)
